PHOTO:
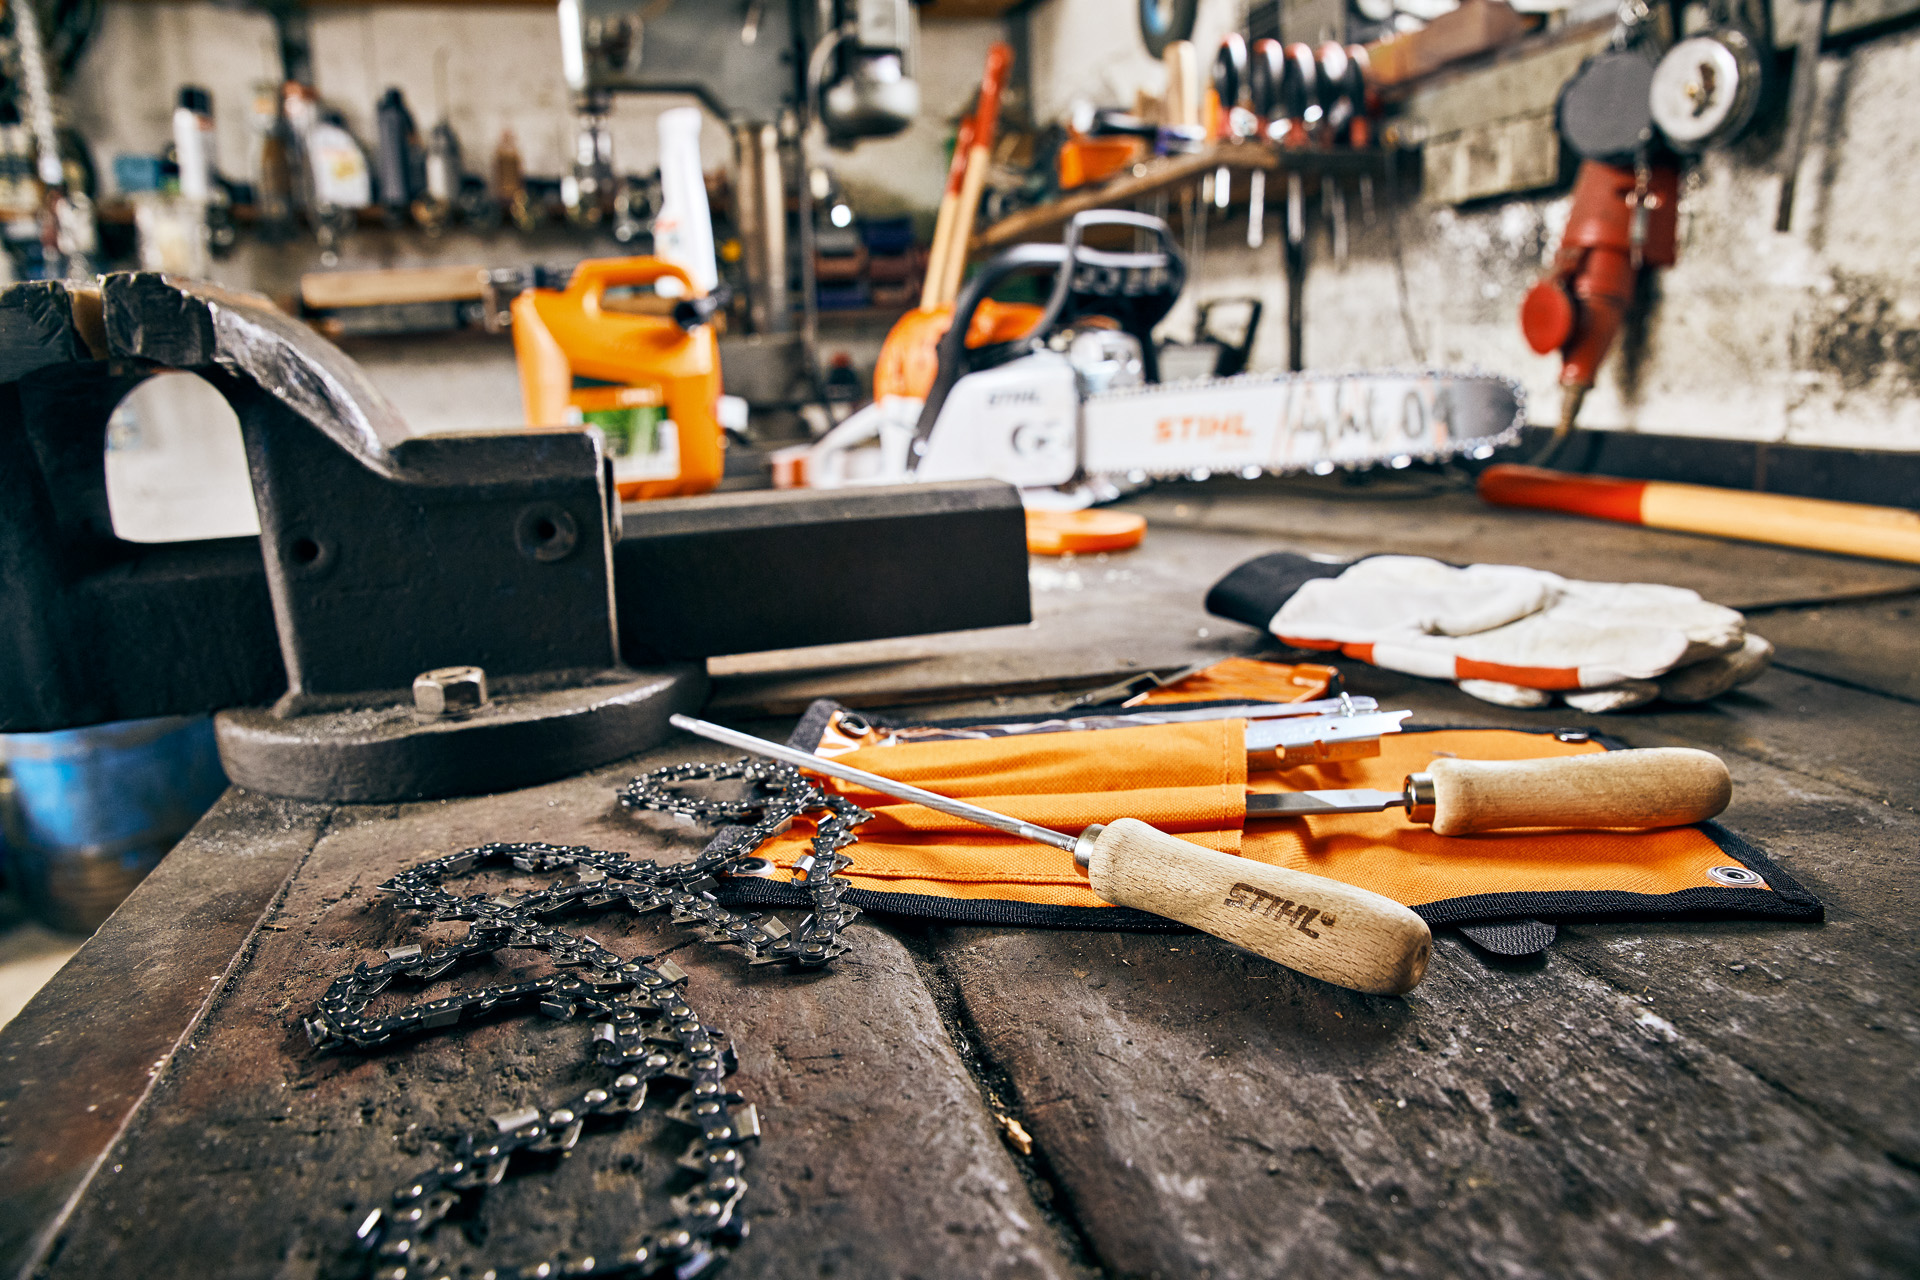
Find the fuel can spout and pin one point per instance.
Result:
(1621, 222)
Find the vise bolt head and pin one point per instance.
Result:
(448, 692)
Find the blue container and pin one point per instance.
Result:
(95, 809)
(887, 235)
(137, 173)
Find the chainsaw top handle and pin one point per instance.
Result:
(1137, 289)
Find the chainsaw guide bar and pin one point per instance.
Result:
(1254, 424)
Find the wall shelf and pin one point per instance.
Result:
(1151, 177)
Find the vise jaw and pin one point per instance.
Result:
(384, 555)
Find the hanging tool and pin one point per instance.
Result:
(1806, 60)
(932, 287)
(1623, 220)
(1332, 931)
(1233, 353)
(1256, 208)
(1624, 215)
(1657, 787)
(1342, 94)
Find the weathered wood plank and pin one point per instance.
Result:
(1874, 644)
(256, 1155)
(1205, 1113)
(1827, 1014)
(82, 1055)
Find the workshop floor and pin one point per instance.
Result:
(30, 954)
(1686, 1098)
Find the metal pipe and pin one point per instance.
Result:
(761, 209)
(874, 782)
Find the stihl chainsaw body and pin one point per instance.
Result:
(1075, 407)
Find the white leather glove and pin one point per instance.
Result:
(1510, 635)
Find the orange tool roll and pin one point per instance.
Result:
(650, 385)
(1192, 780)
(1246, 680)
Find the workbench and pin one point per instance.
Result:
(1689, 1098)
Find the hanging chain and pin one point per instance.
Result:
(644, 1029)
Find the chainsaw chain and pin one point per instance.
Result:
(645, 1031)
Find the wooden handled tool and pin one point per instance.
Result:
(1658, 787)
(935, 277)
(1850, 528)
(1336, 932)
(986, 122)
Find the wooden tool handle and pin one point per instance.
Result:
(1850, 528)
(1660, 787)
(973, 180)
(1332, 931)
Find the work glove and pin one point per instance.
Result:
(1518, 637)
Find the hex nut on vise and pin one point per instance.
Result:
(447, 693)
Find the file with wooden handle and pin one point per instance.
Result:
(1336, 932)
(1656, 787)
(1339, 933)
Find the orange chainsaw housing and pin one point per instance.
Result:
(582, 364)
(910, 357)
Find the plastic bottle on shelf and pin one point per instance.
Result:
(193, 142)
(683, 229)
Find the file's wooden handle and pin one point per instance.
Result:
(1658, 787)
(1348, 936)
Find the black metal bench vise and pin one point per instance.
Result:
(385, 557)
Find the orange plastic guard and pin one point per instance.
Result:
(1059, 533)
(1508, 485)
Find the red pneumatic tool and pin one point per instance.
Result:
(1623, 220)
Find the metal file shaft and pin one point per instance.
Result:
(873, 781)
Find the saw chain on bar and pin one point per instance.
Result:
(1259, 423)
(645, 1030)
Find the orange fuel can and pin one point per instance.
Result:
(649, 384)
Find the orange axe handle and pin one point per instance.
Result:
(1850, 528)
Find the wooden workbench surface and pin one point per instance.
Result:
(1706, 1098)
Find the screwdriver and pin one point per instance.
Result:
(1336, 932)
(1654, 787)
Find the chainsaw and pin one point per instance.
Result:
(1074, 412)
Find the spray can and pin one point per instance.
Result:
(397, 152)
(683, 230)
(193, 142)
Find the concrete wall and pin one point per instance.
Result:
(1811, 337)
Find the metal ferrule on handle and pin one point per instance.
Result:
(874, 782)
